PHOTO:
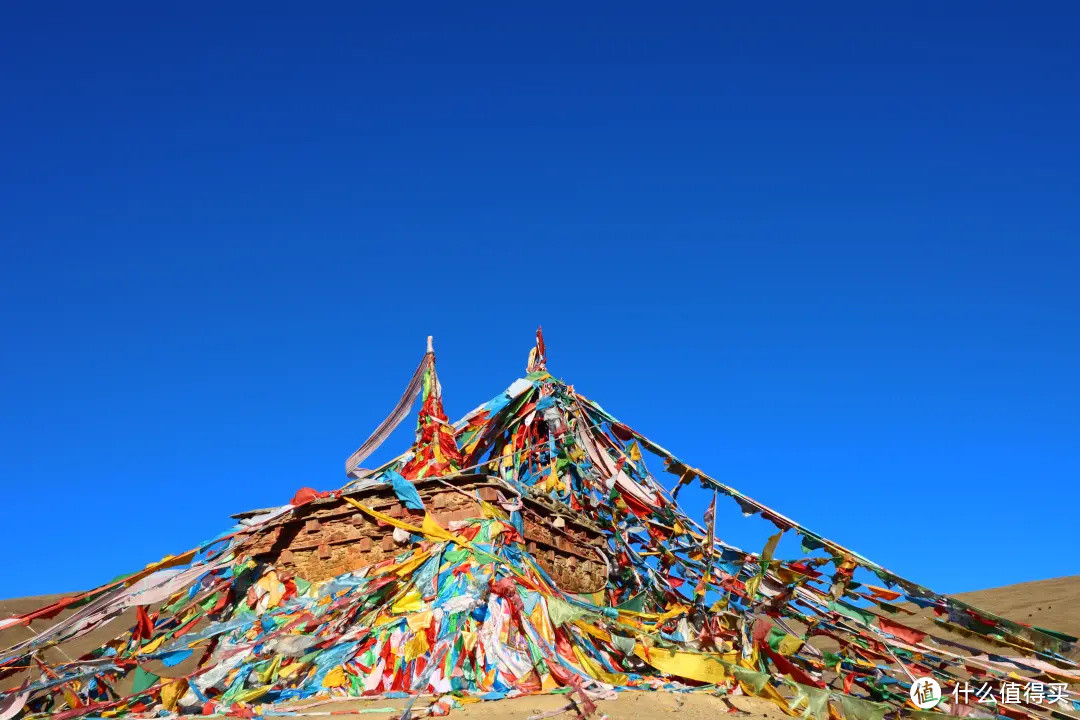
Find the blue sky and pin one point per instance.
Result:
(828, 255)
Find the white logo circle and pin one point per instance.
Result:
(925, 693)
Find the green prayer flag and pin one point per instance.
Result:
(635, 604)
(816, 700)
(624, 644)
(853, 708)
(782, 642)
(850, 611)
(753, 680)
(143, 680)
(562, 612)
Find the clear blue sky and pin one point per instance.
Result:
(828, 254)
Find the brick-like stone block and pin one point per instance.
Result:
(337, 538)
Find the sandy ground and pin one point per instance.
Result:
(1054, 604)
(630, 705)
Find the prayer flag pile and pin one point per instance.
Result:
(466, 610)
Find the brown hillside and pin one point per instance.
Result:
(1052, 604)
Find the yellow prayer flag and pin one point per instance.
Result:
(405, 568)
(335, 678)
(152, 645)
(267, 676)
(289, 670)
(252, 694)
(703, 667)
(789, 645)
(416, 646)
(595, 670)
(409, 602)
(420, 620)
(770, 546)
(490, 511)
(172, 691)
